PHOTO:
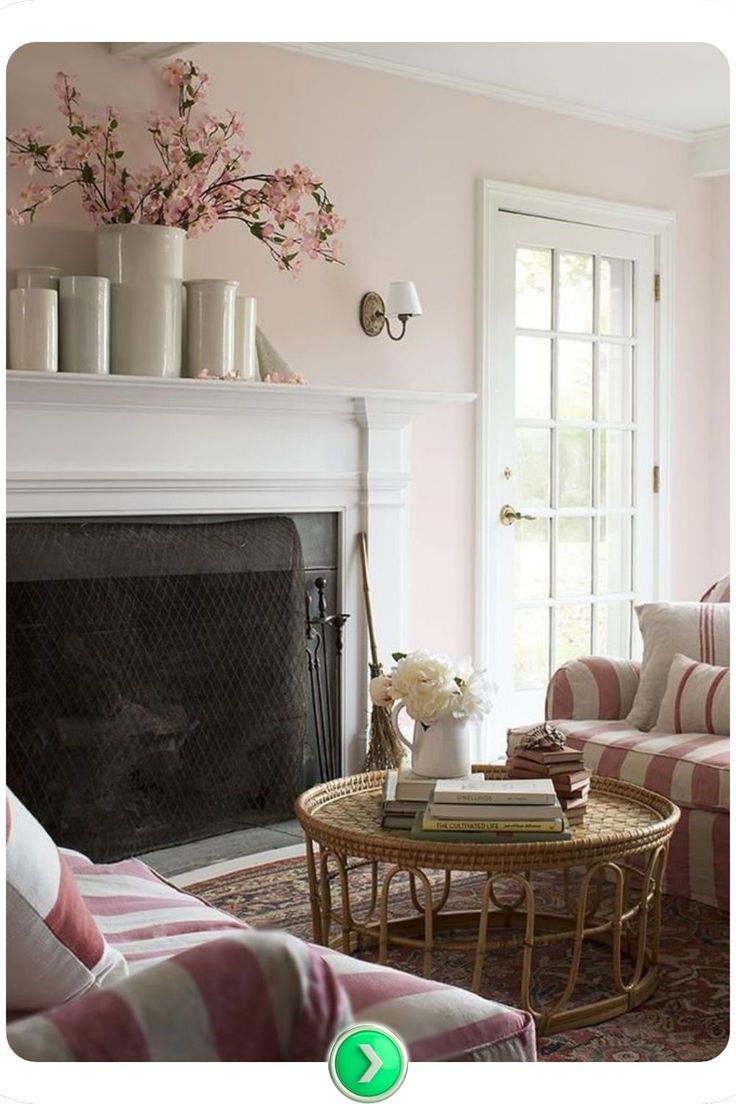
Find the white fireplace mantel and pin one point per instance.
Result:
(81, 446)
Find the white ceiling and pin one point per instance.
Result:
(678, 89)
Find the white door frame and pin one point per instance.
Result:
(500, 196)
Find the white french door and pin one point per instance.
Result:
(571, 496)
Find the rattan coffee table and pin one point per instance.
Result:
(610, 881)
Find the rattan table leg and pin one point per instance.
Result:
(314, 891)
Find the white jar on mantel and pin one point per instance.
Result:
(210, 338)
(246, 358)
(84, 324)
(38, 276)
(33, 329)
(145, 265)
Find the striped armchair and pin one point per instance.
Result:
(590, 699)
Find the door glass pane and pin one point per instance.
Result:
(572, 637)
(575, 379)
(574, 467)
(614, 382)
(614, 484)
(531, 648)
(534, 288)
(613, 620)
(573, 556)
(575, 294)
(614, 553)
(533, 377)
(616, 296)
(532, 466)
(531, 560)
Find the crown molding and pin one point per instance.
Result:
(492, 91)
(711, 152)
(147, 51)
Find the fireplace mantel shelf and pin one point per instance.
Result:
(33, 389)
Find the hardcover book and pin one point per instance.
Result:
(419, 832)
(432, 824)
(495, 791)
(446, 811)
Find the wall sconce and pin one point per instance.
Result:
(402, 302)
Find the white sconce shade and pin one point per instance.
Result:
(402, 298)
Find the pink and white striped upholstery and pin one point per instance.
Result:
(56, 950)
(691, 769)
(720, 591)
(183, 957)
(594, 686)
(244, 997)
(696, 699)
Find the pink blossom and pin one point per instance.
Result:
(200, 179)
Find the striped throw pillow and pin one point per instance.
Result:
(55, 950)
(698, 630)
(720, 591)
(696, 698)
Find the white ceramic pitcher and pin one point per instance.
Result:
(441, 750)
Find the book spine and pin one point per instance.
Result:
(430, 824)
(457, 797)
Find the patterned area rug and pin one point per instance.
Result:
(685, 1020)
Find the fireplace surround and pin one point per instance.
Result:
(85, 446)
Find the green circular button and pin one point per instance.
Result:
(368, 1062)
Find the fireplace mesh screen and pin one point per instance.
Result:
(155, 678)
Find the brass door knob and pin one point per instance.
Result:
(509, 516)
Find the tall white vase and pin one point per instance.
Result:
(246, 358)
(33, 329)
(210, 327)
(145, 267)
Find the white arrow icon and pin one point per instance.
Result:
(376, 1063)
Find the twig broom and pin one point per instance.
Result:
(384, 749)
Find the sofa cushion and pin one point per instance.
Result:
(720, 591)
(143, 916)
(150, 921)
(690, 769)
(699, 630)
(55, 949)
(245, 997)
(696, 699)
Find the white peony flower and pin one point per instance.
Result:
(476, 698)
(426, 685)
(381, 690)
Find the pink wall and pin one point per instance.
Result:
(719, 375)
(402, 160)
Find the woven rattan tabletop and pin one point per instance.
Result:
(621, 819)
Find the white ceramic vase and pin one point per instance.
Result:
(438, 750)
(210, 338)
(40, 276)
(246, 358)
(84, 324)
(33, 328)
(145, 267)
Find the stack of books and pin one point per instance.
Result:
(493, 811)
(405, 794)
(563, 767)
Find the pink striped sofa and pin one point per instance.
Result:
(203, 986)
(589, 699)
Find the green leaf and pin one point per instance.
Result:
(396, 656)
(257, 230)
(194, 159)
(87, 175)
